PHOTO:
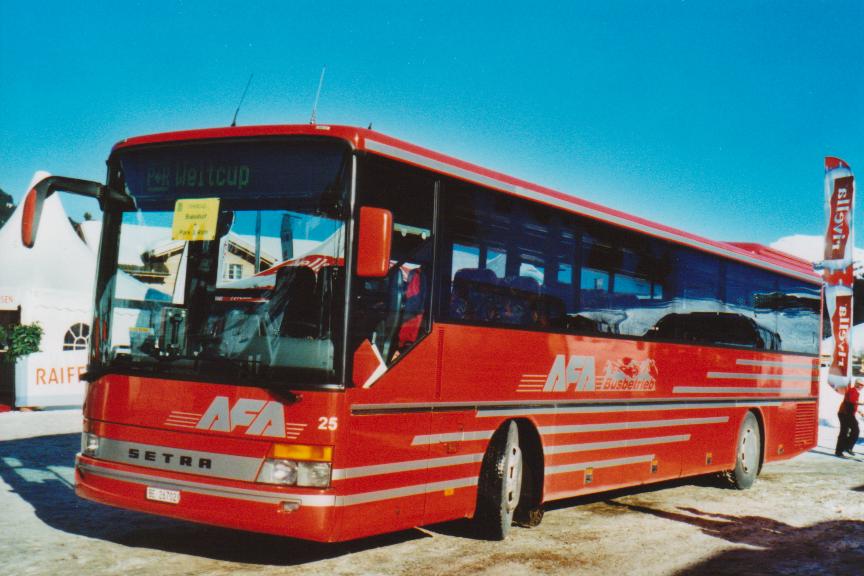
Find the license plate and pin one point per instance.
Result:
(163, 495)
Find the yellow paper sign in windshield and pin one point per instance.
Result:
(195, 219)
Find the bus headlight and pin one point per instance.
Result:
(89, 444)
(297, 465)
(315, 474)
(293, 473)
(279, 472)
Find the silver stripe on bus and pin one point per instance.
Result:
(496, 407)
(169, 458)
(316, 500)
(559, 410)
(743, 362)
(735, 390)
(414, 490)
(410, 465)
(807, 379)
(633, 425)
(695, 404)
(312, 500)
(564, 468)
(571, 206)
(589, 446)
(405, 466)
(426, 439)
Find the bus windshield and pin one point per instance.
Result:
(231, 267)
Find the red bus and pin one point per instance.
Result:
(326, 333)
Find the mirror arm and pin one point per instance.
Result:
(111, 197)
(103, 194)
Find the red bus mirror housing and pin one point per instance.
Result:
(30, 214)
(32, 210)
(373, 250)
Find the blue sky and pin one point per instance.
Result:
(708, 116)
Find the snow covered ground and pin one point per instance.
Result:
(14, 425)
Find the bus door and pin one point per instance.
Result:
(394, 361)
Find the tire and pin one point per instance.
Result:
(500, 485)
(529, 513)
(530, 518)
(748, 451)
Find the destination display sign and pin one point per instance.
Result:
(254, 169)
(209, 175)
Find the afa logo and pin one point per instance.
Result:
(579, 373)
(259, 417)
(578, 370)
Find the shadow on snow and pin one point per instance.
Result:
(464, 528)
(773, 547)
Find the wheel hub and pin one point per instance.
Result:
(749, 450)
(512, 487)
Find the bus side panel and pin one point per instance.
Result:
(383, 480)
(712, 448)
(452, 442)
(614, 412)
(790, 429)
(586, 449)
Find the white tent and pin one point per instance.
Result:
(52, 284)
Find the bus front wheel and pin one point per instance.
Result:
(500, 483)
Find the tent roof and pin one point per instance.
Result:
(59, 259)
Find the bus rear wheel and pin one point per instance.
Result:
(500, 484)
(748, 450)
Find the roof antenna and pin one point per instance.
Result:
(314, 119)
(243, 97)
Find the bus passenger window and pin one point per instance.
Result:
(464, 257)
(473, 295)
(595, 288)
(496, 260)
(520, 307)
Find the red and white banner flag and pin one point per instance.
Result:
(837, 265)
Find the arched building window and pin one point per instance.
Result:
(77, 337)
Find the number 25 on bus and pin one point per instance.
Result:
(326, 333)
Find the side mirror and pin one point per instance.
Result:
(373, 251)
(46, 186)
(31, 212)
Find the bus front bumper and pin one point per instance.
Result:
(241, 506)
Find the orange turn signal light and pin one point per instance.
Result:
(301, 452)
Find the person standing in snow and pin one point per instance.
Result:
(848, 422)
